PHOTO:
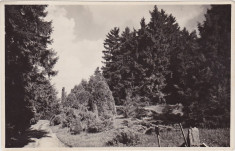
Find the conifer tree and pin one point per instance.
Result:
(112, 63)
(29, 62)
(154, 49)
(213, 105)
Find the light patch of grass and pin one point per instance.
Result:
(174, 138)
(84, 139)
(156, 108)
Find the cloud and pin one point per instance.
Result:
(78, 59)
(86, 26)
(95, 21)
(187, 15)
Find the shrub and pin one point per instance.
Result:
(90, 116)
(95, 126)
(81, 119)
(71, 98)
(124, 137)
(83, 97)
(102, 95)
(108, 124)
(33, 121)
(65, 123)
(120, 110)
(130, 109)
(68, 115)
(57, 119)
(140, 112)
(76, 127)
(133, 107)
(103, 99)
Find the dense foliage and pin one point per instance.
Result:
(211, 108)
(29, 66)
(160, 63)
(88, 107)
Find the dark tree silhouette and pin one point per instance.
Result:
(29, 64)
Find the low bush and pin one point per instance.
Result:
(98, 125)
(57, 119)
(95, 126)
(124, 137)
(130, 109)
(76, 127)
(108, 124)
(140, 112)
(78, 120)
(120, 110)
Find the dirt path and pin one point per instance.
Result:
(47, 140)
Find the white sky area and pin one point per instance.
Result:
(79, 32)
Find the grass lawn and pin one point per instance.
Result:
(168, 138)
(211, 137)
(215, 137)
(174, 138)
(83, 139)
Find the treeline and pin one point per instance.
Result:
(160, 63)
(29, 94)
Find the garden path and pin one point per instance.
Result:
(49, 140)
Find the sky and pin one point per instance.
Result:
(79, 32)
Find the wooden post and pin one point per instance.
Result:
(183, 135)
(158, 138)
(193, 137)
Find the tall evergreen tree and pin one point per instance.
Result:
(155, 45)
(112, 63)
(215, 46)
(28, 62)
(184, 63)
(142, 58)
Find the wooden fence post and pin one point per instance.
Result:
(158, 138)
(183, 135)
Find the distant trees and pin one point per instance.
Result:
(160, 63)
(29, 66)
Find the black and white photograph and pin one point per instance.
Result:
(110, 74)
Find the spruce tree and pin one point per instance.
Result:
(215, 45)
(112, 63)
(28, 62)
